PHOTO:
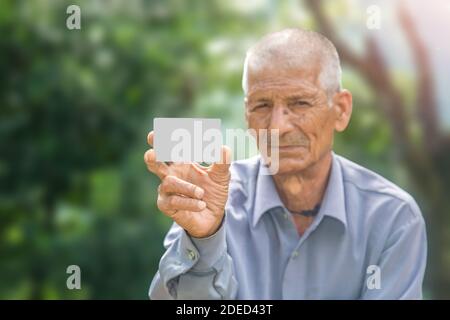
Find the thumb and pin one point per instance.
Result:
(222, 167)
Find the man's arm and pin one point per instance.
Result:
(194, 268)
(402, 262)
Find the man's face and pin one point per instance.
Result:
(292, 101)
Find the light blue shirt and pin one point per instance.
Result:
(368, 241)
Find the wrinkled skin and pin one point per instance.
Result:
(293, 101)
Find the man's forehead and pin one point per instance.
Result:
(305, 80)
(284, 87)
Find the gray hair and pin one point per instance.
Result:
(297, 47)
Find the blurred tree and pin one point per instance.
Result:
(73, 102)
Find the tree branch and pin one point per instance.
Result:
(426, 105)
(373, 69)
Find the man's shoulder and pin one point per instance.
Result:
(375, 188)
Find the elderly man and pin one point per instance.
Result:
(322, 227)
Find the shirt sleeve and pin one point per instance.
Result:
(401, 266)
(194, 268)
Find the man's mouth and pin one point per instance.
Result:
(292, 146)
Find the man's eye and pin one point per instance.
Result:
(261, 106)
(301, 103)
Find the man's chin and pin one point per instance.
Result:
(288, 165)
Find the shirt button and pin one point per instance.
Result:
(191, 254)
(295, 254)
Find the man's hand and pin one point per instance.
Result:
(194, 196)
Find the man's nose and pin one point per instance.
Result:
(280, 119)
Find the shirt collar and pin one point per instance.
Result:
(333, 203)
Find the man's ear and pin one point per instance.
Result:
(343, 104)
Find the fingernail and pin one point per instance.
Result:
(199, 193)
(201, 205)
